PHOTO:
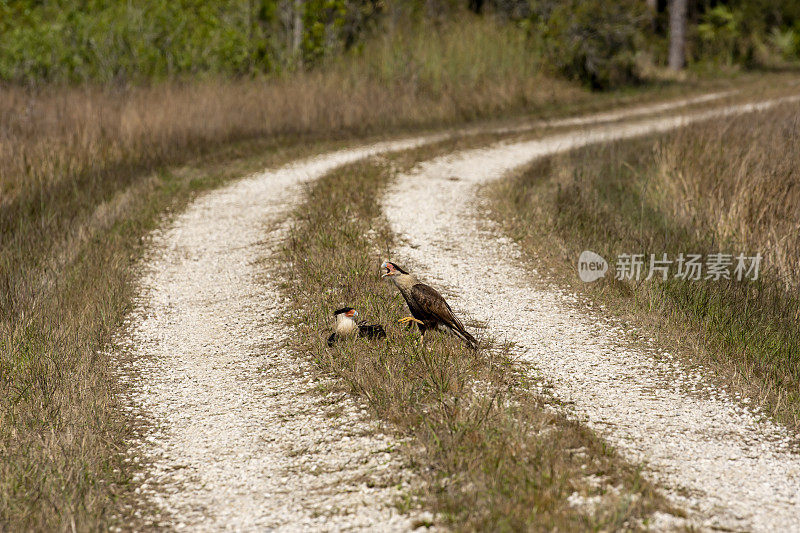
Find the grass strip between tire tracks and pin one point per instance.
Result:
(492, 452)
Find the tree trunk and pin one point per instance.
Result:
(297, 32)
(677, 34)
(652, 12)
(476, 6)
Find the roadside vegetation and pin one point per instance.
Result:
(725, 186)
(494, 454)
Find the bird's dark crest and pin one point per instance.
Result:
(342, 310)
(398, 268)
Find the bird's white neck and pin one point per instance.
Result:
(345, 324)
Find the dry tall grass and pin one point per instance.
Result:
(739, 180)
(53, 136)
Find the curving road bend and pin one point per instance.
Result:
(240, 435)
(726, 466)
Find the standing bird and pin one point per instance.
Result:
(346, 326)
(428, 309)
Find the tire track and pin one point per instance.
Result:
(241, 438)
(713, 457)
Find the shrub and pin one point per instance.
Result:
(785, 42)
(593, 41)
(720, 35)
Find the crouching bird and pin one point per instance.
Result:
(347, 326)
(428, 308)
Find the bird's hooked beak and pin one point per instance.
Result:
(384, 269)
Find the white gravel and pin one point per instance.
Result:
(242, 438)
(728, 466)
(618, 114)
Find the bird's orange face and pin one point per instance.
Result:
(351, 313)
(388, 269)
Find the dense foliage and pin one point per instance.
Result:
(108, 40)
(749, 32)
(592, 40)
(595, 42)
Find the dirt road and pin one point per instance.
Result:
(241, 438)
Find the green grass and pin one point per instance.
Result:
(716, 187)
(493, 455)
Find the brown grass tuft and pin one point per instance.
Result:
(739, 180)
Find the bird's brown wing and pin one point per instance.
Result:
(432, 304)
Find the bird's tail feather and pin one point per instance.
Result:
(464, 334)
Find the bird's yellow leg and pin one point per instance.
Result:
(407, 319)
